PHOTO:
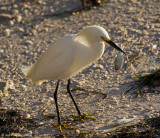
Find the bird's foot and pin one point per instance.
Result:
(85, 116)
(65, 126)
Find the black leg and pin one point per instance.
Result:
(55, 99)
(69, 91)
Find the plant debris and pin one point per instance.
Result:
(146, 84)
(146, 128)
(12, 121)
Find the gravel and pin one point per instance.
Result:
(29, 28)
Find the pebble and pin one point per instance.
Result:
(7, 32)
(34, 32)
(15, 5)
(116, 89)
(154, 47)
(157, 114)
(115, 100)
(150, 108)
(18, 18)
(29, 42)
(25, 6)
(1, 50)
(26, 12)
(123, 97)
(78, 131)
(98, 66)
(126, 106)
(11, 23)
(26, 116)
(5, 86)
(51, 99)
(145, 32)
(45, 30)
(10, 85)
(15, 12)
(20, 29)
(29, 134)
(110, 106)
(15, 135)
(24, 86)
(147, 97)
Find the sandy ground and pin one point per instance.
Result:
(28, 29)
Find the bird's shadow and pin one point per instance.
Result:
(85, 92)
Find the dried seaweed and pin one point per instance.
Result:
(12, 121)
(146, 128)
(145, 84)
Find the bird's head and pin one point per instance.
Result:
(96, 33)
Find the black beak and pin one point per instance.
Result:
(114, 45)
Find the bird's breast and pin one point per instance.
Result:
(83, 57)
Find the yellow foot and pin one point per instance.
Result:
(65, 126)
(85, 116)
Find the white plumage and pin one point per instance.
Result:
(69, 55)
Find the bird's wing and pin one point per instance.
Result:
(54, 62)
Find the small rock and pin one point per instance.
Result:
(18, 18)
(145, 32)
(20, 29)
(45, 30)
(26, 12)
(147, 97)
(10, 85)
(34, 32)
(77, 131)
(24, 86)
(150, 108)
(16, 135)
(26, 116)
(154, 47)
(7, 32)
(115, 100)
(28, 42)
(110, 106)
(11, 23)
(126, 106)
(25, 6)
(143, 42)
(51, 99)
(1, 50)
(15, 5)
(15, 12)
(98, 66)
(157, 114)
(116, 89)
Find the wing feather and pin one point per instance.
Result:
(54, 62)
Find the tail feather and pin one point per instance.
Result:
(26, 70)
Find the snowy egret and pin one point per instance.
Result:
(68, 56)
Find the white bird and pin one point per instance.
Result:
(68, 56)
